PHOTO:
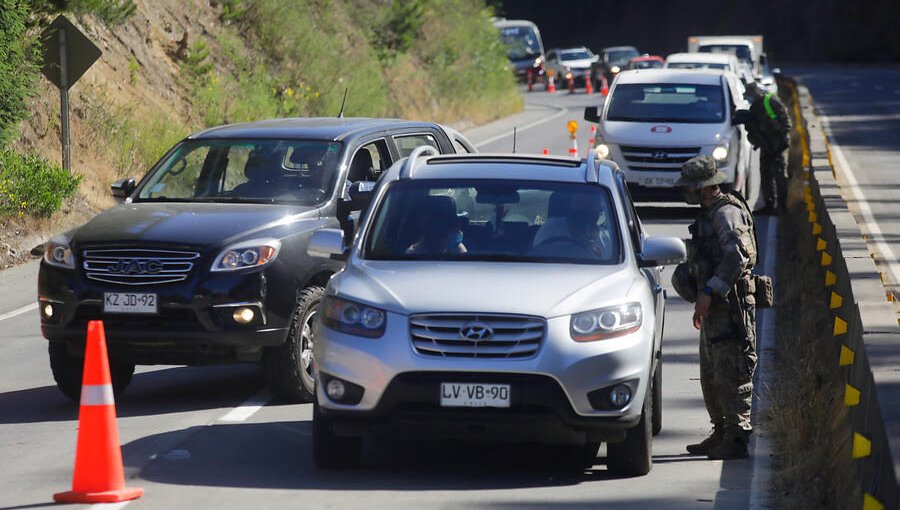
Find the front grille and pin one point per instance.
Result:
(138, 266)
(657, 159)
(511, 336)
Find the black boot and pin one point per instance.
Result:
(703, 447)
(731, 447)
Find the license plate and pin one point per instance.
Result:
(129, 302)
(474, 395)
(659, 182)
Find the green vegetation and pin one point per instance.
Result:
(31, 185)
(18, 66)
(110, 12)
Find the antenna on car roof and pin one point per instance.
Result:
(343, 103)
(514, 139)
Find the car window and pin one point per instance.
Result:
(369, 161)
(297, 171)
(406, 143)
(635, 228)
(490, 220)
(667, 102)
(551, 55)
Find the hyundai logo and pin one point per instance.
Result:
(660, 155)
(476, 331)
(136, 266)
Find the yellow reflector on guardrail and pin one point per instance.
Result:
(851, 396)
(862, 447)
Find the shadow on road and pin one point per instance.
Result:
(165, 391)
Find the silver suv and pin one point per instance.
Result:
(502, 297)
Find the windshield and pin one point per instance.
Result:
(490, 220)
(521, 42)
(645, 64)
(620, 57)
(293, 171)
(697, 65)
(667, 102)
(741, 51)
(575, 55)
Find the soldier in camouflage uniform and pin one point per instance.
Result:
(769, 130)
(721, 254)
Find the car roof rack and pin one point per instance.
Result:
(406, 171)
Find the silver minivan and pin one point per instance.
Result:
(499, 298)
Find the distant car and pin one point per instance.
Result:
(646, 62)
(495, 298)
(574, 63)
(656, 119)
(611, 61)
(205, 261)
(524, 47)
(717, 61)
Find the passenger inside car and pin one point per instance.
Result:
(439, 228)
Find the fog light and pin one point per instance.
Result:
(244, 315)
(620, 396)
(48, 311)
(335, 389)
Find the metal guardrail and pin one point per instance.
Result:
(864, 324)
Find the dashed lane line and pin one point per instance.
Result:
(18, 311)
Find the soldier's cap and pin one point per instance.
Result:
(700, 172)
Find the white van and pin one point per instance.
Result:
(656, 119)
(718, 61)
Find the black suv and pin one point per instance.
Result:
(205, 261)
(611, 62)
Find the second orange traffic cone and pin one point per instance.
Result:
(99, 476)
(551, 86)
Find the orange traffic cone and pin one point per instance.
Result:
(551, 86)
(571, 84)
(604, 89)
(545, 152)
(591, 141)
(530, 80)
(588, 85)
(99, 475)
(573, 150)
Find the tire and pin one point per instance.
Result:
(634, 455)
(68, 369)
(288, 366)
(656, 400)
(329, 450)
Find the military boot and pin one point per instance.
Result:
(731, 447)
(703, 447)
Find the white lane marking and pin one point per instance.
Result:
(888, 258)
(109, 506)
(560, 112)
(18, 311)
(762, 447)
(246, 410)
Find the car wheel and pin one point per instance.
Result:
(329, 450)
(634, 455)
(656, 400)
(289, 367)
(68, 369)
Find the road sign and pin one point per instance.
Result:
(68, 53)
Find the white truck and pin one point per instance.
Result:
(747, 48)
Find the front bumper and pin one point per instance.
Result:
(548, 392)
(194, 323)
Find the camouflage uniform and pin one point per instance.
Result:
(769, 130)
(721, 254)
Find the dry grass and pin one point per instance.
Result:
(807, 416)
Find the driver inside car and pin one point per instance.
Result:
(439, 227)
(572, 223)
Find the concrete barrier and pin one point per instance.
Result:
(864, 327)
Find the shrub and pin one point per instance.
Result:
(110, 12)
(18, 66)
(32, 185)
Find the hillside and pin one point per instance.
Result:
(175, 66)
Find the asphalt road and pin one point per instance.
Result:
(861, 111)
(211, 437)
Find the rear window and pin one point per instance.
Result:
(667, 102)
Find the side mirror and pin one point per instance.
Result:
(360, 194)
(123, 187)
(740, 117)
(662, 251)
(326, 242)
(592, 114)
(776, 72)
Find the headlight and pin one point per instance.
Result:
(720, 153)
(353, 318)
(538, 61)
(602, 150)
(247, 254)
(568, 75)
(606, 322)
(615, 69)
(58, 253)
